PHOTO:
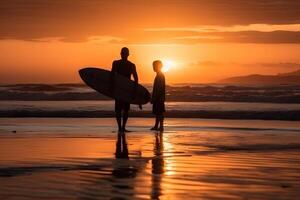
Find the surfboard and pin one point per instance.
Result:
(124, 88)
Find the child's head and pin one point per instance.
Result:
(157, 65)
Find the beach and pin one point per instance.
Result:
(85, 158)
(85, 87)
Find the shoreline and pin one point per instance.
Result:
(251, 115)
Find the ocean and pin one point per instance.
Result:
(183, 100)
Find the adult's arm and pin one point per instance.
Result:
(136, 80)
(135, 75)
(112, 78)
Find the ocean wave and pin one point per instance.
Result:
(191, 93)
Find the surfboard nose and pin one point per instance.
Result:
(83, 74)
(87, 71)
(81, 71)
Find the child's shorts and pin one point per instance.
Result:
(158, 108)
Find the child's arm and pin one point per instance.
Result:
(158, 93)
(162, 89)
(154, 91)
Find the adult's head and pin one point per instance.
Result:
(124, 53)
(157, 65)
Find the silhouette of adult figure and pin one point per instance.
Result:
(126, 68)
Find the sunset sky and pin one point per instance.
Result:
(47, 41)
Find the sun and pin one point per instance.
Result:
(168, 65)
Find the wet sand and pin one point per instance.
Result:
(101, 109)
(86, 158)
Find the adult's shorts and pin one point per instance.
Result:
(121, 106)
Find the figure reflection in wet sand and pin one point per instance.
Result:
(121, 146)
(123, 170)
(157, 166)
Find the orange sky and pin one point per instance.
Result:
(48, 41)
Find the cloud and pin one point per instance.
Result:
(190, 38)
(233, 28)
(249, 37)
(252, 33)
(208, 63)
(77, 20)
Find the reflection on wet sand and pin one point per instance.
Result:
(121, 146)
(157, 166)
(123, 169)
(126, 170)
(192, 159)
(129, 171)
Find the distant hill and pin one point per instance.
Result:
(292, 78)
(294, 73)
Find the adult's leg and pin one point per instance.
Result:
(118, 111)
(125, 107)
(118, 118)
(125, 118)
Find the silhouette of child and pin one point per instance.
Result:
(158, 96)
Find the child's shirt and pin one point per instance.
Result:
(159, 88)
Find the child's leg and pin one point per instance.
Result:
(157, 119)
(161, 122)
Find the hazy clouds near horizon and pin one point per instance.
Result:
(79, 19)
